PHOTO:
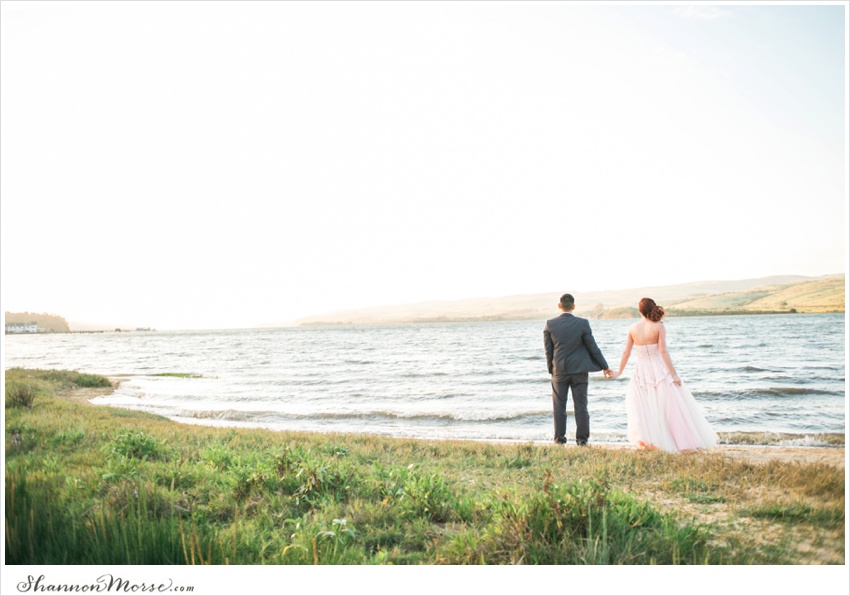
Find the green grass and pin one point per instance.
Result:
(54, 380)
(21, 394)
(92, 485)
(800, 512)
(24, 386)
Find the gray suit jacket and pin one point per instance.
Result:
(570, 347)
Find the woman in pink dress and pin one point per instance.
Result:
(661, 412)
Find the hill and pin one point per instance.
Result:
(764, 295)
(823, 295)
(54, 323)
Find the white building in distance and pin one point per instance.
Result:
(30, 327)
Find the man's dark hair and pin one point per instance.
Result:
(567, 301)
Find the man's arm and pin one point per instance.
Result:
(592, 348)
(550, 348)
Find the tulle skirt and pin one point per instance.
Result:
(660, 413)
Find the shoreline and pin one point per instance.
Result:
(542, 318)
(832, 455)
(672, 313)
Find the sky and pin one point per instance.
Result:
(184, 165)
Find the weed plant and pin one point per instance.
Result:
(21, 394)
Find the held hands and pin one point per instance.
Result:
(609, 374)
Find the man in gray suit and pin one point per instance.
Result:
(571, 353)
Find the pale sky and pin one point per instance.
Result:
(232, 164)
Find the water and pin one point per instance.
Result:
(454, 380)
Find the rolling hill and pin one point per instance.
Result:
(754, 296)
(822, 295)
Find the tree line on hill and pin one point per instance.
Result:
(53, 323)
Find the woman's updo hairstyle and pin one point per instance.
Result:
(650, 310)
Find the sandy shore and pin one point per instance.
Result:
(757, 454)
(833, 456)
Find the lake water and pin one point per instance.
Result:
(778, 373)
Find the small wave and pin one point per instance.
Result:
(312, 381)
(454, 416)
(236, 415)
(782, 439)
(373, 415)
(754, 369)
(805, 441)
(781, 391)
(445, 395)
(487, 372)
(420, 375)
(517, 381)
(757, 393)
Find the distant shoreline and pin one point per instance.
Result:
(772, 295)
(671, 313)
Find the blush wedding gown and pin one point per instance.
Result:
(660, 413)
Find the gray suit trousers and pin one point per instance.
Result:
(561, 386)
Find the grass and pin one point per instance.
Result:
(21, 394)
(95, 485)
(25, 385)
